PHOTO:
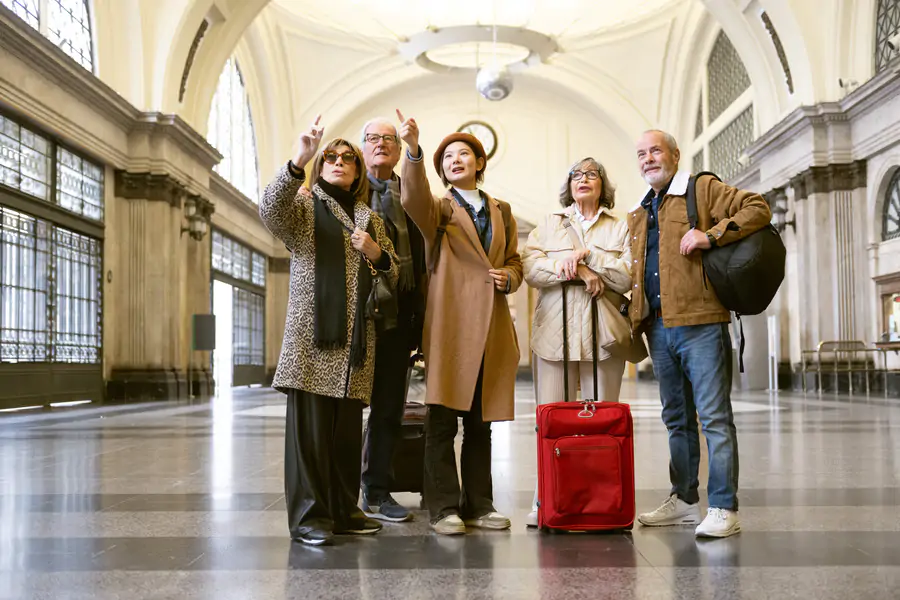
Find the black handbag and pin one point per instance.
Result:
(381, 305)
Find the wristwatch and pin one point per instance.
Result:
(712, 240)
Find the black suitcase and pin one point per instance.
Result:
(409, 455)
(408, 464)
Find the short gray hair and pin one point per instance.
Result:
(607, 187)
(668, 138)
(376, 121)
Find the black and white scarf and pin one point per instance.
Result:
(331, 277)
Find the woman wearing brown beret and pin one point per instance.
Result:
(470, 346)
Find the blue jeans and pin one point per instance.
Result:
(693, 367)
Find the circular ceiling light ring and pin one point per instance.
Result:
(415, 48)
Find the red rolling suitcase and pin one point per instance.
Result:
(585, 457)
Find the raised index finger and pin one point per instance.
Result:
(400, 116)
(318, 118)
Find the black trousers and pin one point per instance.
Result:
(385, 411)
(443, 495)
(322, 444)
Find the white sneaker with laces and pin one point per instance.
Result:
(719, 523)
(531, 520)
(674, 511)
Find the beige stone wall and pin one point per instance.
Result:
(155, 277)
(277, 289)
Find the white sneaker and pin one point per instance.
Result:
(531, 520)
(450, 525)
(719, 523)
(673, 511)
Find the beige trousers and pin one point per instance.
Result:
(548, 379)
(549, 385)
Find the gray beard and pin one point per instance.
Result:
(660, 177)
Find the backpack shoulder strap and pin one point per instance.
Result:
(693, 217)
(505, 212)
(446, 213)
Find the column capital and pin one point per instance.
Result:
(149, 186)
(843, 177)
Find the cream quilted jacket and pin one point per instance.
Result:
(610, 258)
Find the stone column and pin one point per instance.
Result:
(278, 283)
(148, 295)
(196, 299)
(827, 260)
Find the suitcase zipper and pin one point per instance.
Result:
(583, 448)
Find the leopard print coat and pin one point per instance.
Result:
(302, 366)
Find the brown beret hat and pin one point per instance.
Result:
(468, 138)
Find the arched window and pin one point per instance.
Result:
(890, 227)
(66, 23)
(724, 125)
(887, 24)
(230, 130)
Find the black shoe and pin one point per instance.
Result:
(385, 509)
(312, 537)
(361, 527)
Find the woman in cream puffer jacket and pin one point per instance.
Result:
(601, 259)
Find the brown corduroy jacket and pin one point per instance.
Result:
(726, 213)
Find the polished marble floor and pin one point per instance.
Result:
(185, 501)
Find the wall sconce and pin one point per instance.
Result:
(780, 211)
(197, 221)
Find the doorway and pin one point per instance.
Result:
(223, 363)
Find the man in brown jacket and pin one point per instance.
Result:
(469, 342)
(687, 327)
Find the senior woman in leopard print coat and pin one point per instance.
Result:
(328, 356)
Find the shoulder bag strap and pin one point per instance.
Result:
(446, 213)
(576, 241)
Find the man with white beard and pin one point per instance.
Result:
(687, 327)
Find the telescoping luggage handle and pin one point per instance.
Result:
(589, 406)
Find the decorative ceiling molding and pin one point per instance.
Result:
(779, 49)
(192, 53)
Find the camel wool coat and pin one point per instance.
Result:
(466, 317)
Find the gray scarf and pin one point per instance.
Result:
(385, 202)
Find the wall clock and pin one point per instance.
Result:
(485, 134)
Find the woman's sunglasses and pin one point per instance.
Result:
(331, 156)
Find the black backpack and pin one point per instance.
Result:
(746, 274)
